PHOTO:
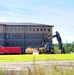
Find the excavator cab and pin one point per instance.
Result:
(49, 48)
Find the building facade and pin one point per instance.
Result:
(23, 34)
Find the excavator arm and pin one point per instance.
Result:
(59, 40)
(57, 35)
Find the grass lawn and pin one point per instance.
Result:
(25, 57)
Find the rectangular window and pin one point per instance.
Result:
(44, 29)
(48, 29)
(10, 36)
(30, 29)
(6, 29)
(18, 29)
(41, 29)
(37, 29)
(6, 36)
(30, 36)
(15, 36)
(26, 29)
(11, 42)
(18, 43)
(22, 29)
(22, 36)
(19, 36)
(10, 29)
(14, 29)
(22, 43)
(33, 29)
(7, 43)
(26, 36)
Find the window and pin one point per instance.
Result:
(10, 29)
(33, 29)
(22, 29)
(22, 36)
(41, 35)
(26, 36)
(33, 36)
(18, 35)
(30, 29)
(37, 36)
(10, 36)
(18, 29)
(48, 29)
(26, 29)
(41, 29)
(7, 43)
(37, 29)
(11, 42)
(6, 36)
(14, 29)
(30, 36)
(6, 29)
(44, 29)
(22, 43)
(26, 42)
(15, 36)
(18, 43)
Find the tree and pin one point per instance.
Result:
(69, 48)
(73, 47)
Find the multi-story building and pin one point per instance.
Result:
(23, 34)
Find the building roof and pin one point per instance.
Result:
(23, 23)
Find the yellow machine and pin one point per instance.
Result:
(42, 49)
(31, 50)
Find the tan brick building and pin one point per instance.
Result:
(23, 34)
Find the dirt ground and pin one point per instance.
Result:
(17, 66)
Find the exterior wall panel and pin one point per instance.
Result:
(2, 42)
(2, 29)
(2, 35)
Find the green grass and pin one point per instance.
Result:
(25, 57)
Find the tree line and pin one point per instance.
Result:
(68, 47)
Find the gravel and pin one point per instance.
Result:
(17, 66)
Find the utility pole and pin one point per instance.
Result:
(66, 44)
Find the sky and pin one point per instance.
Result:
(59, 13)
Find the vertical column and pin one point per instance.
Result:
(2, 35)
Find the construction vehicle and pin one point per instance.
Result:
(47, 47)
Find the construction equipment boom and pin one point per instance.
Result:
(46, 40)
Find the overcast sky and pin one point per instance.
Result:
(59, 13)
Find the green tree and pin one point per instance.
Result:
(69, 48)
(73, 47)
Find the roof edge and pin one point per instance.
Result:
(24, 23)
